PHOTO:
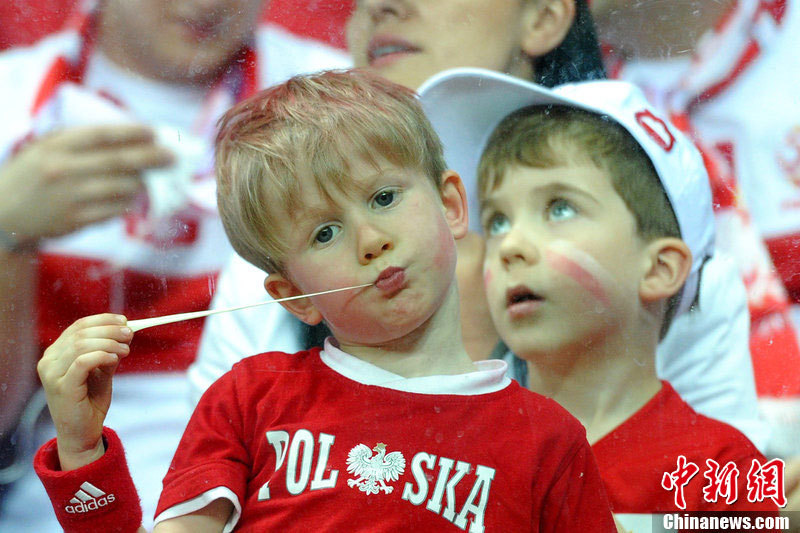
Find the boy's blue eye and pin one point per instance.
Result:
(326, 233)
(497, 225)
(385, 197)
(560, 209)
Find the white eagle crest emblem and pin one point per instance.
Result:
(374, 470)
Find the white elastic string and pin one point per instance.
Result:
(143, 323)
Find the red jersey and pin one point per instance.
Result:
(308, 439)
(635, 456)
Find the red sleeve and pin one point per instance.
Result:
(212, 452)
(577, 500)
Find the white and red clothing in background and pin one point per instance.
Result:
(279, 436)
(738, 96)
(142, 265)
(23, 22)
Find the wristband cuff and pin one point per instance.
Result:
(98, 497)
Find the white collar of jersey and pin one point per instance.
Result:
(489, 376)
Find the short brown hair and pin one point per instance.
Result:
(315, 124)
(550, 136)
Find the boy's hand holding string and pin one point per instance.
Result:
(76, 373)
(78, 368)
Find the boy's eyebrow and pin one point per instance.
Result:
(560, 187)
(368, 182)
(486, 204)
(551, 188)
(364, 185)
(316, 212)
(310, 215)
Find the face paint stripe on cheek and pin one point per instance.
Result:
(581, 274)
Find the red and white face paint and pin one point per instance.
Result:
(582, 268)
(563, 259)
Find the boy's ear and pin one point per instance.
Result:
(279, 287)
(454, 200)
(667, 264)
(545, 25)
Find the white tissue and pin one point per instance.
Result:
(188, 182)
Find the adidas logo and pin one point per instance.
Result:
(88, 498)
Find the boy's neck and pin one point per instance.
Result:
(602, 385)
(434, 348)
(479, 334)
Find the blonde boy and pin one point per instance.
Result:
(597, 217)
(329, 181)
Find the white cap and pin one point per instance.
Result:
(465, 105)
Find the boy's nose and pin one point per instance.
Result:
(381, 9)
(205, 8)
(516, 248)
(372, 243)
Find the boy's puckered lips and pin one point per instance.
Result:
(383, 49)
(391, 279)
(520, 301)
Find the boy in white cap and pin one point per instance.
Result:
(598, 221)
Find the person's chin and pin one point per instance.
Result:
(409, 319)
(528, 339)
(403, 72)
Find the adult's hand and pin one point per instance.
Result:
(75, 177)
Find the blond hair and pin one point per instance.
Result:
(313, 125)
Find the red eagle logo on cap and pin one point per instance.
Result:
(656, 128)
